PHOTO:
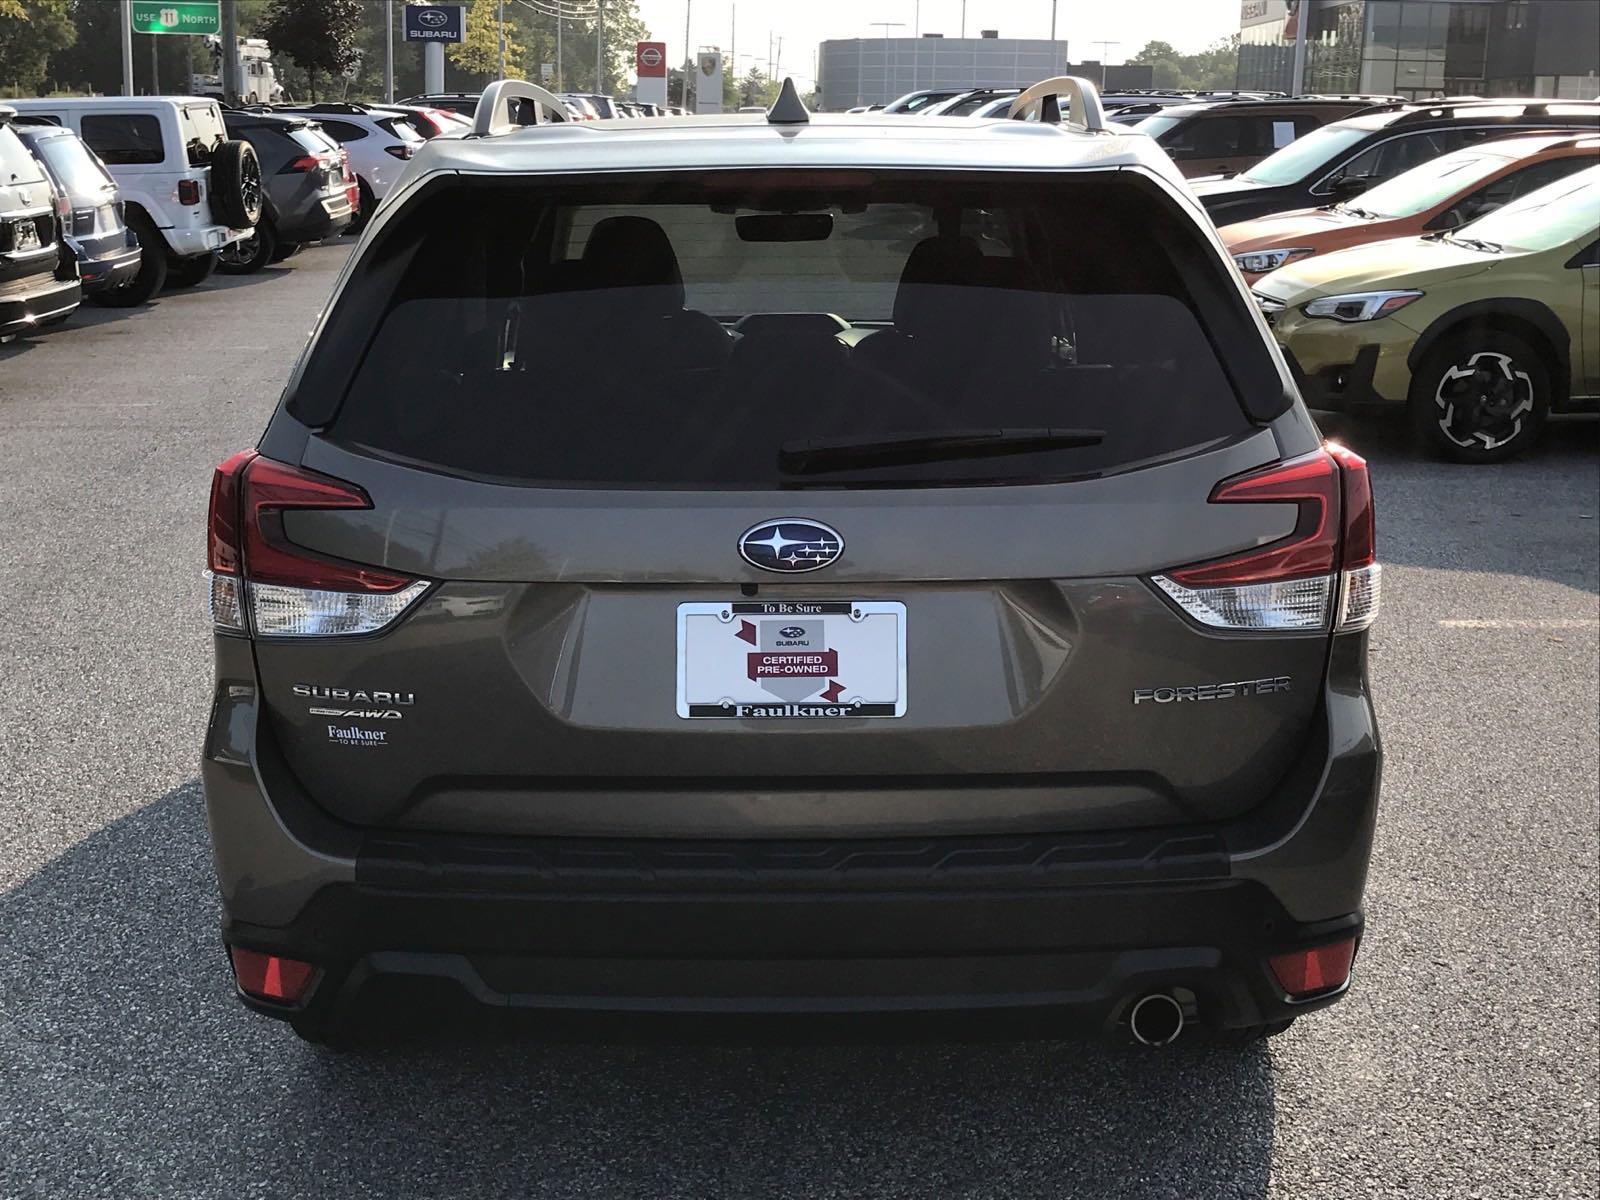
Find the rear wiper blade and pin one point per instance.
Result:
(842, 454)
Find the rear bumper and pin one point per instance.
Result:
(200, 239)
(100, 268)
(1080, 924)
(26, 303)
(325, 218)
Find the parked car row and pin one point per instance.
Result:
(115, 198)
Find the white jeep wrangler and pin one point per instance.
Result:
(189, 190)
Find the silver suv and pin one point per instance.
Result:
(789, 562)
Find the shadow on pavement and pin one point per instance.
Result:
(1535, 515)
(124, 1062)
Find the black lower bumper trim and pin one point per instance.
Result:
(1085, 953)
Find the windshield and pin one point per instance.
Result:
(715, 331)
(1434, 182)
(80, 172)
(1157, 125)
(1305, 156)
(1555, 215)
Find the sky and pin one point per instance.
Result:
(1188, 24)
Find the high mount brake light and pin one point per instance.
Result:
(287, 591)
(1291, 584)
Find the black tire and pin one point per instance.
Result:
(365, 203)
(186, 272)
(1480, 396)
(236, 187)
(152, 276)
(250, 255)
(287, 250)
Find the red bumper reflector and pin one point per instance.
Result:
(1306, 973)
(268, 977)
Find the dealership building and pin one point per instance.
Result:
(1424, 48)
(854, 71)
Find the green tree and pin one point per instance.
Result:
(1214, 68)
(317, 35)
(479, 49)
(30, 32)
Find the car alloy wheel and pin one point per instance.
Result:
(1484, 402)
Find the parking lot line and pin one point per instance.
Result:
(1521, 623)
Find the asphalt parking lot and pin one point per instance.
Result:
(1462, 1065)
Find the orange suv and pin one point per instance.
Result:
(1438, 195)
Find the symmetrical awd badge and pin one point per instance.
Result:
(791, 545)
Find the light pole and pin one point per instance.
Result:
(886, 26)
(388, 50)
(688, 58)
(127, 47)
(600, 47)
(500, 23)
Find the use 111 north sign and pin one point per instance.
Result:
(176, 16)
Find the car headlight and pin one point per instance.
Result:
(1259, 262)
(1360, 306)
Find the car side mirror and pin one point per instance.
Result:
(1346, 186)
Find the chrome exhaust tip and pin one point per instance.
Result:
(1156, 1020)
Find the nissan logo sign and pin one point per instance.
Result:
(650, 56)
(791, 545)
(433, 18)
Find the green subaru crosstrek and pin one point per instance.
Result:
(1482, 331)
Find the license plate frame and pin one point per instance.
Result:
(734, 664)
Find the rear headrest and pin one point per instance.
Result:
(934, 268)
(633, 252)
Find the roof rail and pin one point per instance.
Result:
(500, 108)
(1083, 100)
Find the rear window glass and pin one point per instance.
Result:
(203, 132)
(80, 173)
(312, 140)
(733, 330)
(16, 164)
(124, 139)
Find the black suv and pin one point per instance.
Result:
(306, 194)
(38, 271)
(1342, 160)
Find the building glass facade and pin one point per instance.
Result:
(1420, 49)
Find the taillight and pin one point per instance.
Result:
(262, 583)
(63, 207)
(1361, 581)
(188, 191)
(271, 977)
(1292, 583)
(403, 150)
(302, 165)
(1314, 972)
